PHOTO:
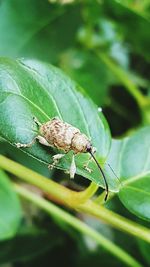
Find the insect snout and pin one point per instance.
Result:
(89, 147)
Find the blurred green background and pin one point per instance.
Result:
(105, 47)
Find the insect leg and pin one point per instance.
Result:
(89, 160)
(87, 163)
(72, 170)
(19, 145)
(36, 121)
(43, 141)
(56, 159)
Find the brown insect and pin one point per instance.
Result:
(63, 136)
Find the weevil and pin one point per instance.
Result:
(63, 136)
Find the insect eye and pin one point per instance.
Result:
(89, 148)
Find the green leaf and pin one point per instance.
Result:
(24, 159)
(31, 88)
(10, 211)
(130, 158)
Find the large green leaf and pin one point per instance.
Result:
(10, 211)
(130, 158)
(30, 88)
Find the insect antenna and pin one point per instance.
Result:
(104, 177)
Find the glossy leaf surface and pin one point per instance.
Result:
(131, 161)
(33, 89)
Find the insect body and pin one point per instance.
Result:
(65, 137)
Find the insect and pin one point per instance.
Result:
(63, 136)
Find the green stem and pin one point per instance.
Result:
(100, 199)
(78, 225)
(115, 220)
(89, 191)
(56, 191)
(75, 200)
(142, 101)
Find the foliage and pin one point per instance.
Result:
(73, 60)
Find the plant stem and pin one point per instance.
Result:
(142, 101)
(75, 200)
(89, 191)
(116, 220)
(100, 199)
(64, 195)
(78, 225)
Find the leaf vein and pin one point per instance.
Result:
(139, 190)
(32, 70)
(136, 178)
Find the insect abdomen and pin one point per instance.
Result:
(59, 134)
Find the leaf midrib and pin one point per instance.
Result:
(138, 190)
(32, 70)
(136, 178)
